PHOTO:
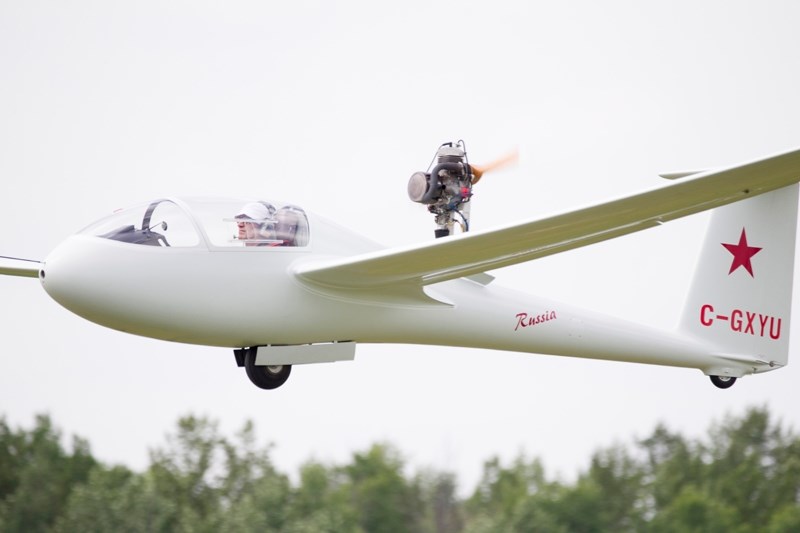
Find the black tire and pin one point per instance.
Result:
(265, 377)
(723, 382)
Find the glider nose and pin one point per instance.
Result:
(69, 277)
(59, 276)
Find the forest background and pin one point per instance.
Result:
(743, 476)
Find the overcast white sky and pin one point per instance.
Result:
(332, 105)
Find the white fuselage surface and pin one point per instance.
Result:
(238, 296)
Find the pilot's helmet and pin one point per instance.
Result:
(291, 226)
(255, 212)
(261, 214)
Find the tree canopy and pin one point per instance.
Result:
(742, 477)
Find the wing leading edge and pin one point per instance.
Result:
(475, 252)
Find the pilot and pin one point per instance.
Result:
(291, 227)
(256, 224)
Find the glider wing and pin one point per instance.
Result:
(476, 252)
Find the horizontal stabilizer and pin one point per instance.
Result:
(679, 175)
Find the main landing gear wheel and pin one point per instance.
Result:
(723, 382)
(265, 377)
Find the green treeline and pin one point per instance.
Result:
(743, 477)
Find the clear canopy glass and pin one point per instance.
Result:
(220, 223)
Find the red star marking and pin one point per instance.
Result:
(742, 253)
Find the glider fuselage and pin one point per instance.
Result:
(241, 297)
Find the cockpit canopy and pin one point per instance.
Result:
(215, 223)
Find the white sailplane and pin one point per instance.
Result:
(284, 287)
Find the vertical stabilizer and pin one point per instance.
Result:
(741, 297)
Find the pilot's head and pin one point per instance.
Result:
(255, 222)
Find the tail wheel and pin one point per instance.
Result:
(723, 382)
(265, 377)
